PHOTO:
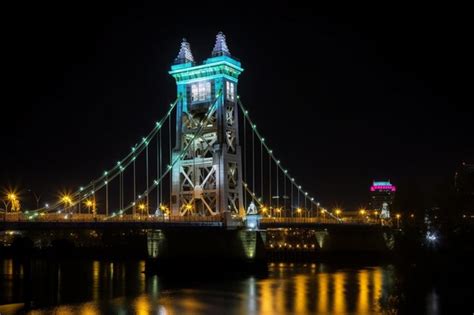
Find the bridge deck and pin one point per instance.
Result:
(87, 221)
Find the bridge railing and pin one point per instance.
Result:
(82, 217)
(286, 220)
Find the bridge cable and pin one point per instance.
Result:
(244, 159)
(181, 154)
(298, 187)
(99, 182)
(147, 183)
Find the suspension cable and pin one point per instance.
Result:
(182, 153)
(115, 171)
(266, 147)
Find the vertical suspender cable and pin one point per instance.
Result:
(298, 192)
(106, 196)
(305, 206)
(93, 195)
(253, 161)
(291, 199)
(270, 182)
(157, 173)
(120, 190)
(278, 191)
(161, 165)
(261, 171)
(244, 160)
(134, 184)
(147, 181)
(170, 157)
(284, 195)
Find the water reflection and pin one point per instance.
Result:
(98, 287)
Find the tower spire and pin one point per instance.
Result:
(185, 55)
(220, 48)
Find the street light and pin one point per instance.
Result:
(142, 207)
(338, 212)
(298, 210)
(398, 220)
(90, 204)
(164, 209)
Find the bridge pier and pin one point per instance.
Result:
(195, 250)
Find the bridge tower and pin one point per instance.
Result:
(208, 179)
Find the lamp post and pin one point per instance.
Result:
(362, 213)
(398, 220)
(67, 201)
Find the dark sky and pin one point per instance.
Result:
(343, 95)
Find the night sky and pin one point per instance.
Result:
(343, 96)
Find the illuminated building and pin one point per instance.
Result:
(207, 179)
(382, 194)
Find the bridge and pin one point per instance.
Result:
(204, 161)
(204, 174)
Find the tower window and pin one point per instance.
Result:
(201, 91)
(230, 90)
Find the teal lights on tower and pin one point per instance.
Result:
(208, 179)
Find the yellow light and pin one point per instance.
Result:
(11, 196)
(298, 210)
(376, 212)
(338, 211)
(264, 209)
(362, 211)
(412, 215)
(89, 203)
(66, 199)
(398, 215)
(188, 207)
(141, 206)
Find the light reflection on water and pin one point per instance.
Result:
(98, 287)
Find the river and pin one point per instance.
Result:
(121, 287)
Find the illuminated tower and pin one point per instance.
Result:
(208, 179)
(382, 194)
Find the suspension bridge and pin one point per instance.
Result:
(205, 164)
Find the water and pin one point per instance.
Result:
(106, 287)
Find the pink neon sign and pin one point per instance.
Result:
(383, 187)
